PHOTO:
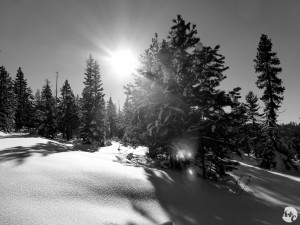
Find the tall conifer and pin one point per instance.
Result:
(48, 122)
(7, 101)
(68, 112)
(93, 105)
(252, 108)
(24, 101)
(111, 111)
(180, 100)
(267, 65)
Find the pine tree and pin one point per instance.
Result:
(127, 114)
(30, 123)
(267, 65)
(7, 101)
(252, 108)
(120, 124)
(111, 113)
(68, 116)
(24, 101)
(48, 121)
(252, 131)
(78, 103)
(37, 111)
(93, 105)
(127, 111)
(180, 99)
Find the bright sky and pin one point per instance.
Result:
(45, 36)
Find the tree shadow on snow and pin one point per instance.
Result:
(272, 188)
(122, 189)
(85, 148)
(192, 201)
(20, 153)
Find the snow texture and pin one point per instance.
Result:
(48, 182)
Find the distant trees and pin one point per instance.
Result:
(45, 115)
(267, 65)
(93, 105)
(7, 101)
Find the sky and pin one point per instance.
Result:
(43, 37)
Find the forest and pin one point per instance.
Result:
(175, 107)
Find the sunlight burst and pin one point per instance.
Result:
(123, 62)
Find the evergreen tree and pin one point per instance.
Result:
(78, 103)
(252, 108)
(93, 105)
(120, 124)
(48, 121)
(252, 140)
(30, 123)
(24, 101)
(133, 132)
(111, 113)
(7, 101)
(68, 113)
(267, 65)
(127, 111)
(37, 115)
(179, 100)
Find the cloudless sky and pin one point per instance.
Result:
(43, 37)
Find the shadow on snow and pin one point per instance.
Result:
(20, 153)
(194, 201)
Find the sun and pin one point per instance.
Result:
(123, 62)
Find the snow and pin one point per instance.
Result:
(48, 182)
(271, 187)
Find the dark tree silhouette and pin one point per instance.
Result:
(267, 65)
(252, 108)
(93, 105)
(111, 117)
(7, 101)
(48, 120)
(68, 115)
(24, 98)
(177, 99)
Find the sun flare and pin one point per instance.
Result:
(123, 62)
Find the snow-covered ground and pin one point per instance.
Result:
(47, 182)
(271, 187)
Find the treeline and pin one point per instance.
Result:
(174, 106)
(88, 117)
